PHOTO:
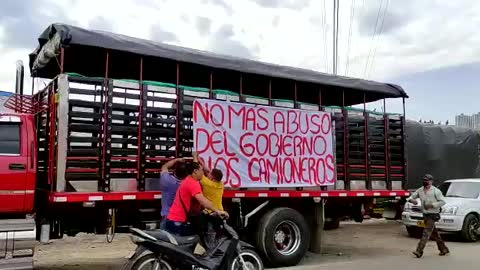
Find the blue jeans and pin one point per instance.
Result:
(163, 222)
(178, 228)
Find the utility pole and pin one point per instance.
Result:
(336, 8)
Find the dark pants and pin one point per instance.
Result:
(430, 231)
(178, 228)
(162, 223)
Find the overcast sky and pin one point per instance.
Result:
(411, 37)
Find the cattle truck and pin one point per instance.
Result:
(83, 153)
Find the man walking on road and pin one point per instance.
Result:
(432, 200)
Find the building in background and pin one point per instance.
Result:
(468, 121)
(3, 98)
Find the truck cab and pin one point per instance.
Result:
(17, 163)
(17, 190)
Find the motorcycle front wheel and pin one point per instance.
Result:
(251, 261)
(151, 262)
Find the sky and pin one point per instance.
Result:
(431, 48)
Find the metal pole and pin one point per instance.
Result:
(334, 40)
(270, 92)
(107, 59)
(320, 100)
(387, 147)
(336, 12)
(295, 105)
(177, 125)
(241, 85)
(62, 60)
(211, 85)
(142, 118)
(405, 154)
(366, 145)
(336, 36)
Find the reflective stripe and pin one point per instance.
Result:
(149, 195)
(60, 199)
(16, 192)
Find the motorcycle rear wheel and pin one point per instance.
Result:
(147, 262)
(251, 258)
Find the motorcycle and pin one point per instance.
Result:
(161, 250)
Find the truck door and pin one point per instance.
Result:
(13, 164)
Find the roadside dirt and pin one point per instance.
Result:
(373, 238)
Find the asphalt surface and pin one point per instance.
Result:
(375, 244)
(463, 259)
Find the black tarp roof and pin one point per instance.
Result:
(79, 38)
(446, 152)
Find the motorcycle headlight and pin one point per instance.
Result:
(449, 210)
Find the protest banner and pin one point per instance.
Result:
(261, 146)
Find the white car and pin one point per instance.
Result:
(461, 213)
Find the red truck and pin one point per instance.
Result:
(84, 154)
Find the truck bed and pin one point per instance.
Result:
(107, 139)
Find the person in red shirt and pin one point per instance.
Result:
(188, 203)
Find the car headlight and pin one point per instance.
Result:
(408, 207)
(449, 210)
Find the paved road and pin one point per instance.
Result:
(380, 245)
(373, 245)
(465, 259)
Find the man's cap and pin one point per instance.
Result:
(428, 177)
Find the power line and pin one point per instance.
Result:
(352, 15)
(372, 64)
(373, 38)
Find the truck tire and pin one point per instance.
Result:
(332, 224)
(414, 231)
(470, 225)
(283, 237)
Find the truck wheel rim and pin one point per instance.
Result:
(287, 238)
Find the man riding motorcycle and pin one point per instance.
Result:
(186, 211)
